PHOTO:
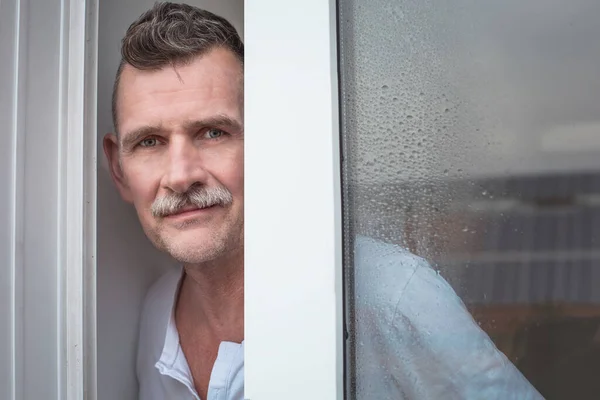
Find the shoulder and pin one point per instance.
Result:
(385, 273)
(414, 328)
(404, 290)
(385, 258)
(154, 320)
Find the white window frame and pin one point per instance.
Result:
(79, 66)
(48, 100)
(293, 219)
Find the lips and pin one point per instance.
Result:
(186, 209)
(189, 209)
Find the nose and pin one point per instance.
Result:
(184, 167)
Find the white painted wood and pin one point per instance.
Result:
(293, 273)
(78, 178)
(47, 221)
(37, 323)
(9, 78)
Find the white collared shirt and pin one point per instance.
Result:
(414, 340)
(162, 370)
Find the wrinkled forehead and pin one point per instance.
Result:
(203, 87)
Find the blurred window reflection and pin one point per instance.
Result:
(471, 142)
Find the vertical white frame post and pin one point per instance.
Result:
(78, 238)
(48, 213)
(293, 220)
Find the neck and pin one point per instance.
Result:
(211, 298)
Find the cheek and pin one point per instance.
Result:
(236, 173)
(228, 168)
(143, 185)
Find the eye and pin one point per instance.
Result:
(214, 133)
(149, 142)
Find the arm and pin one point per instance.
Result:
(416, 339)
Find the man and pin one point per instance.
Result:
(177, 156)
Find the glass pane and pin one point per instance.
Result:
(471, 166)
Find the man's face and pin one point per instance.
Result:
(179, 154)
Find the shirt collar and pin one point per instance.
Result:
(171, 350)
(172, 360)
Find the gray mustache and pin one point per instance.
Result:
(198, 196)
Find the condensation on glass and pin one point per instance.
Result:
(471, 155)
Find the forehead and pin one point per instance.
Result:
(211, 84)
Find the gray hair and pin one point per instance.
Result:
(173, 34)
(197, 195)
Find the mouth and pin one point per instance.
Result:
(190, 211)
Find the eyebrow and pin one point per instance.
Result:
(130, 139)
(222, 120)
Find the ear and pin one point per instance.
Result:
(111, 150)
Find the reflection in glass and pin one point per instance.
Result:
(471, 148)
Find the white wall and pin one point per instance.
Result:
(127, 263)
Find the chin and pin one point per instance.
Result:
(196, 245)
(196, 250)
